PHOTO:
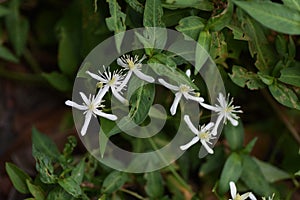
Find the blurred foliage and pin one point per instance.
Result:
(255, 45)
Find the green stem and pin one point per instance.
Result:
(32, 61)
(31, 78)
(136, 195)
(171, 167)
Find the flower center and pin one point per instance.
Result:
(91, 107)
(204, 136)
(112, 81)
(184, 89)
(99, 85)
(238, 197)
(130, 64)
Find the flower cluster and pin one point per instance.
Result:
(116, 81)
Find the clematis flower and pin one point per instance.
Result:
(237, 196)
(225, 110)
(182, 90)
(111, 80)
(203, 134)
(133, 65)
(91, 107)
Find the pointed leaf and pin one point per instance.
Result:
(191, 26)
(18, 177)
(290, 75)
(153, 14)
(114, 181)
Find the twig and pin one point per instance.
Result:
(281, 112)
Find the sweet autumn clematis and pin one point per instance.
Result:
(236, 196)
(91, 107)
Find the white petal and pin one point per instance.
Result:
(168, 85)
(188, 73)
(175, 103)
(251, 196)
(143, 76)
(188, 145)
(234, 122)
(125, 81)
(121, 63)
(105, 115)
(245, 196)
(118, 96)
(190, 124)
(95, 76)
(215, 129)
(84, 98)
(208, 149)
(190, 97)
(233, 190)
(209, 107)
(87, 120)
(101, 94)
(75, 105)
(208, 126)
(222, 100)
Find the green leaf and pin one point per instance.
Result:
(242, 77)
(191, 26)
(18, 177)
(58, 193)
(153, 14)
(4, 11)
(258, 44)
(249, 146)
(213, 162)
(294, 4)
(114, 181)
(254, 178)
(218, 22)
(116, 22)
(67, 53)
(44, 144)
(234, 135)
(7, 55)
(205, 41)
(154, 185)
(70, 186)
(78, 172)
(273, 15)
(58, 81)
(290, 75)
(231, 172)
(268, 80)
(36, 191)
(284, 95)
(297, 173)
(270, 172)
(17, 27)
(198, 4)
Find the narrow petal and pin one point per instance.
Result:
(190, 124)
(234, 122)
(168, 85)
(209, 107)
(208, 149)
(175, 103)
(143, 76)
(121, 63)
(86, 123)
(105, 115)
(125, 81)
(245, 196)
(84, 98)
(118, 96)
(188, 145)
(101, 94)
(188, 73)
(190, 97)
(233, 190)
(95, 76)
(208, 126)
(75, 105)
(215, 129)
(222, 100)
(251, 196)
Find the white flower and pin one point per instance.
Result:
(110, 80)
(182, 89)
(133, 65)
(203, 134)
(90, 106)
(226, 111)
(269, 198)
(237, 196)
